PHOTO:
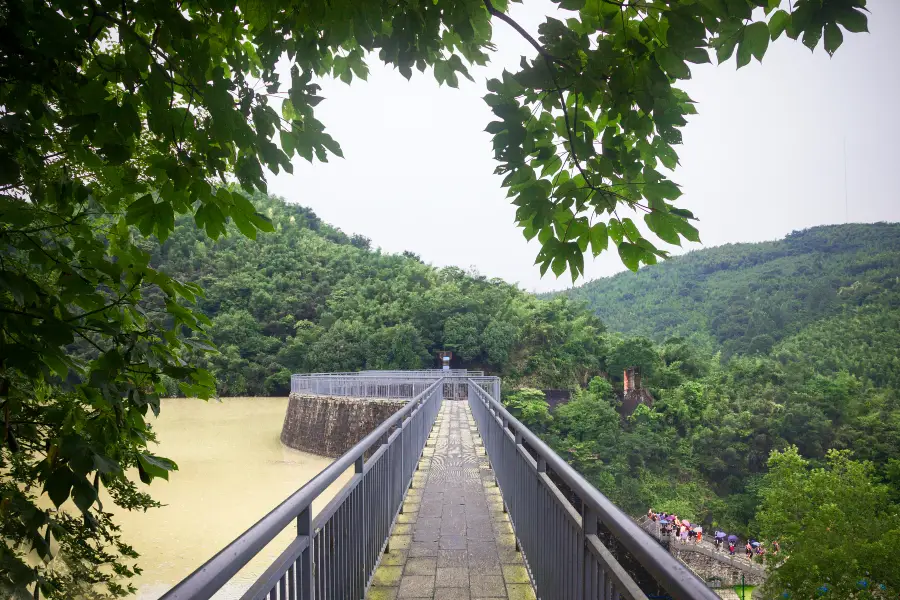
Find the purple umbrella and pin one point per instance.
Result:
(720, 534)
(754, 544)
(732, 538)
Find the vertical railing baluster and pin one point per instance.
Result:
(588, 528)
(304, 527)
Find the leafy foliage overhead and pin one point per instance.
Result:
(588, 127)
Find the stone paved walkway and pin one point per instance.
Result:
(453, 540)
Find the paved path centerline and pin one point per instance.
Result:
(453, 541)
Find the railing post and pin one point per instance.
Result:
(588, 527)
(305, 582)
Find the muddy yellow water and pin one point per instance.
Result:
(232, 470)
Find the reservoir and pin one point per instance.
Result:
(233, 469)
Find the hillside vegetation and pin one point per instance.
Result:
(309, 298)
(745, 298)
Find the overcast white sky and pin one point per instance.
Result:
(763, 158)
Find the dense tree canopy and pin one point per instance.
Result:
(305, 298)
(837, 527)
(117, 117)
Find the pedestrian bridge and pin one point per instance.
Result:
(450, 498)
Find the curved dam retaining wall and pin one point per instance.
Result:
(331, 425)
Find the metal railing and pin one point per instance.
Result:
(361, 386)
(399, 373)
(335, 552)
(426, 373)
(376, 384)
(562, 548)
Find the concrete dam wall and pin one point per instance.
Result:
(331, 425)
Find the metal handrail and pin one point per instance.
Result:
(361, 386)
(389, 373)
(381, 384)
(673, 575)
(217, 571)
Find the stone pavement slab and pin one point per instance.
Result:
(453, 540)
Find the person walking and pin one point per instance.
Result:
(684, 535)
(775, 547)
(749, 550)
(719, 539)
(731, 548)
(699, 535)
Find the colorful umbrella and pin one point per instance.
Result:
(720, 534)
(732, 538)
(685, 522)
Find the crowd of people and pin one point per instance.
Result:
(686, 532)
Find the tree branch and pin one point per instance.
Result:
(509, 21)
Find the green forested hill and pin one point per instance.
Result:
(743, 298)
(310, 298)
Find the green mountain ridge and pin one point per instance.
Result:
(745, 298)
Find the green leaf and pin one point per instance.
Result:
(287, 143)
(83, 494)
(812, 36)
(631, 230)
(630, 255)
(833, 38)
(756, 39)
(725, 47)
(778, 23)
(687, 230)
(559, 265)
(853, 20)
(672, 64)
(661, 224)
(615, 231)
(106, 465)
(697, 56)
(57, 363)
(140, 209)
(156, 466)
(554, 165)
(743, 54)
(599, 238)
(58, 485)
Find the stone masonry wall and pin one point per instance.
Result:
(331, 425)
